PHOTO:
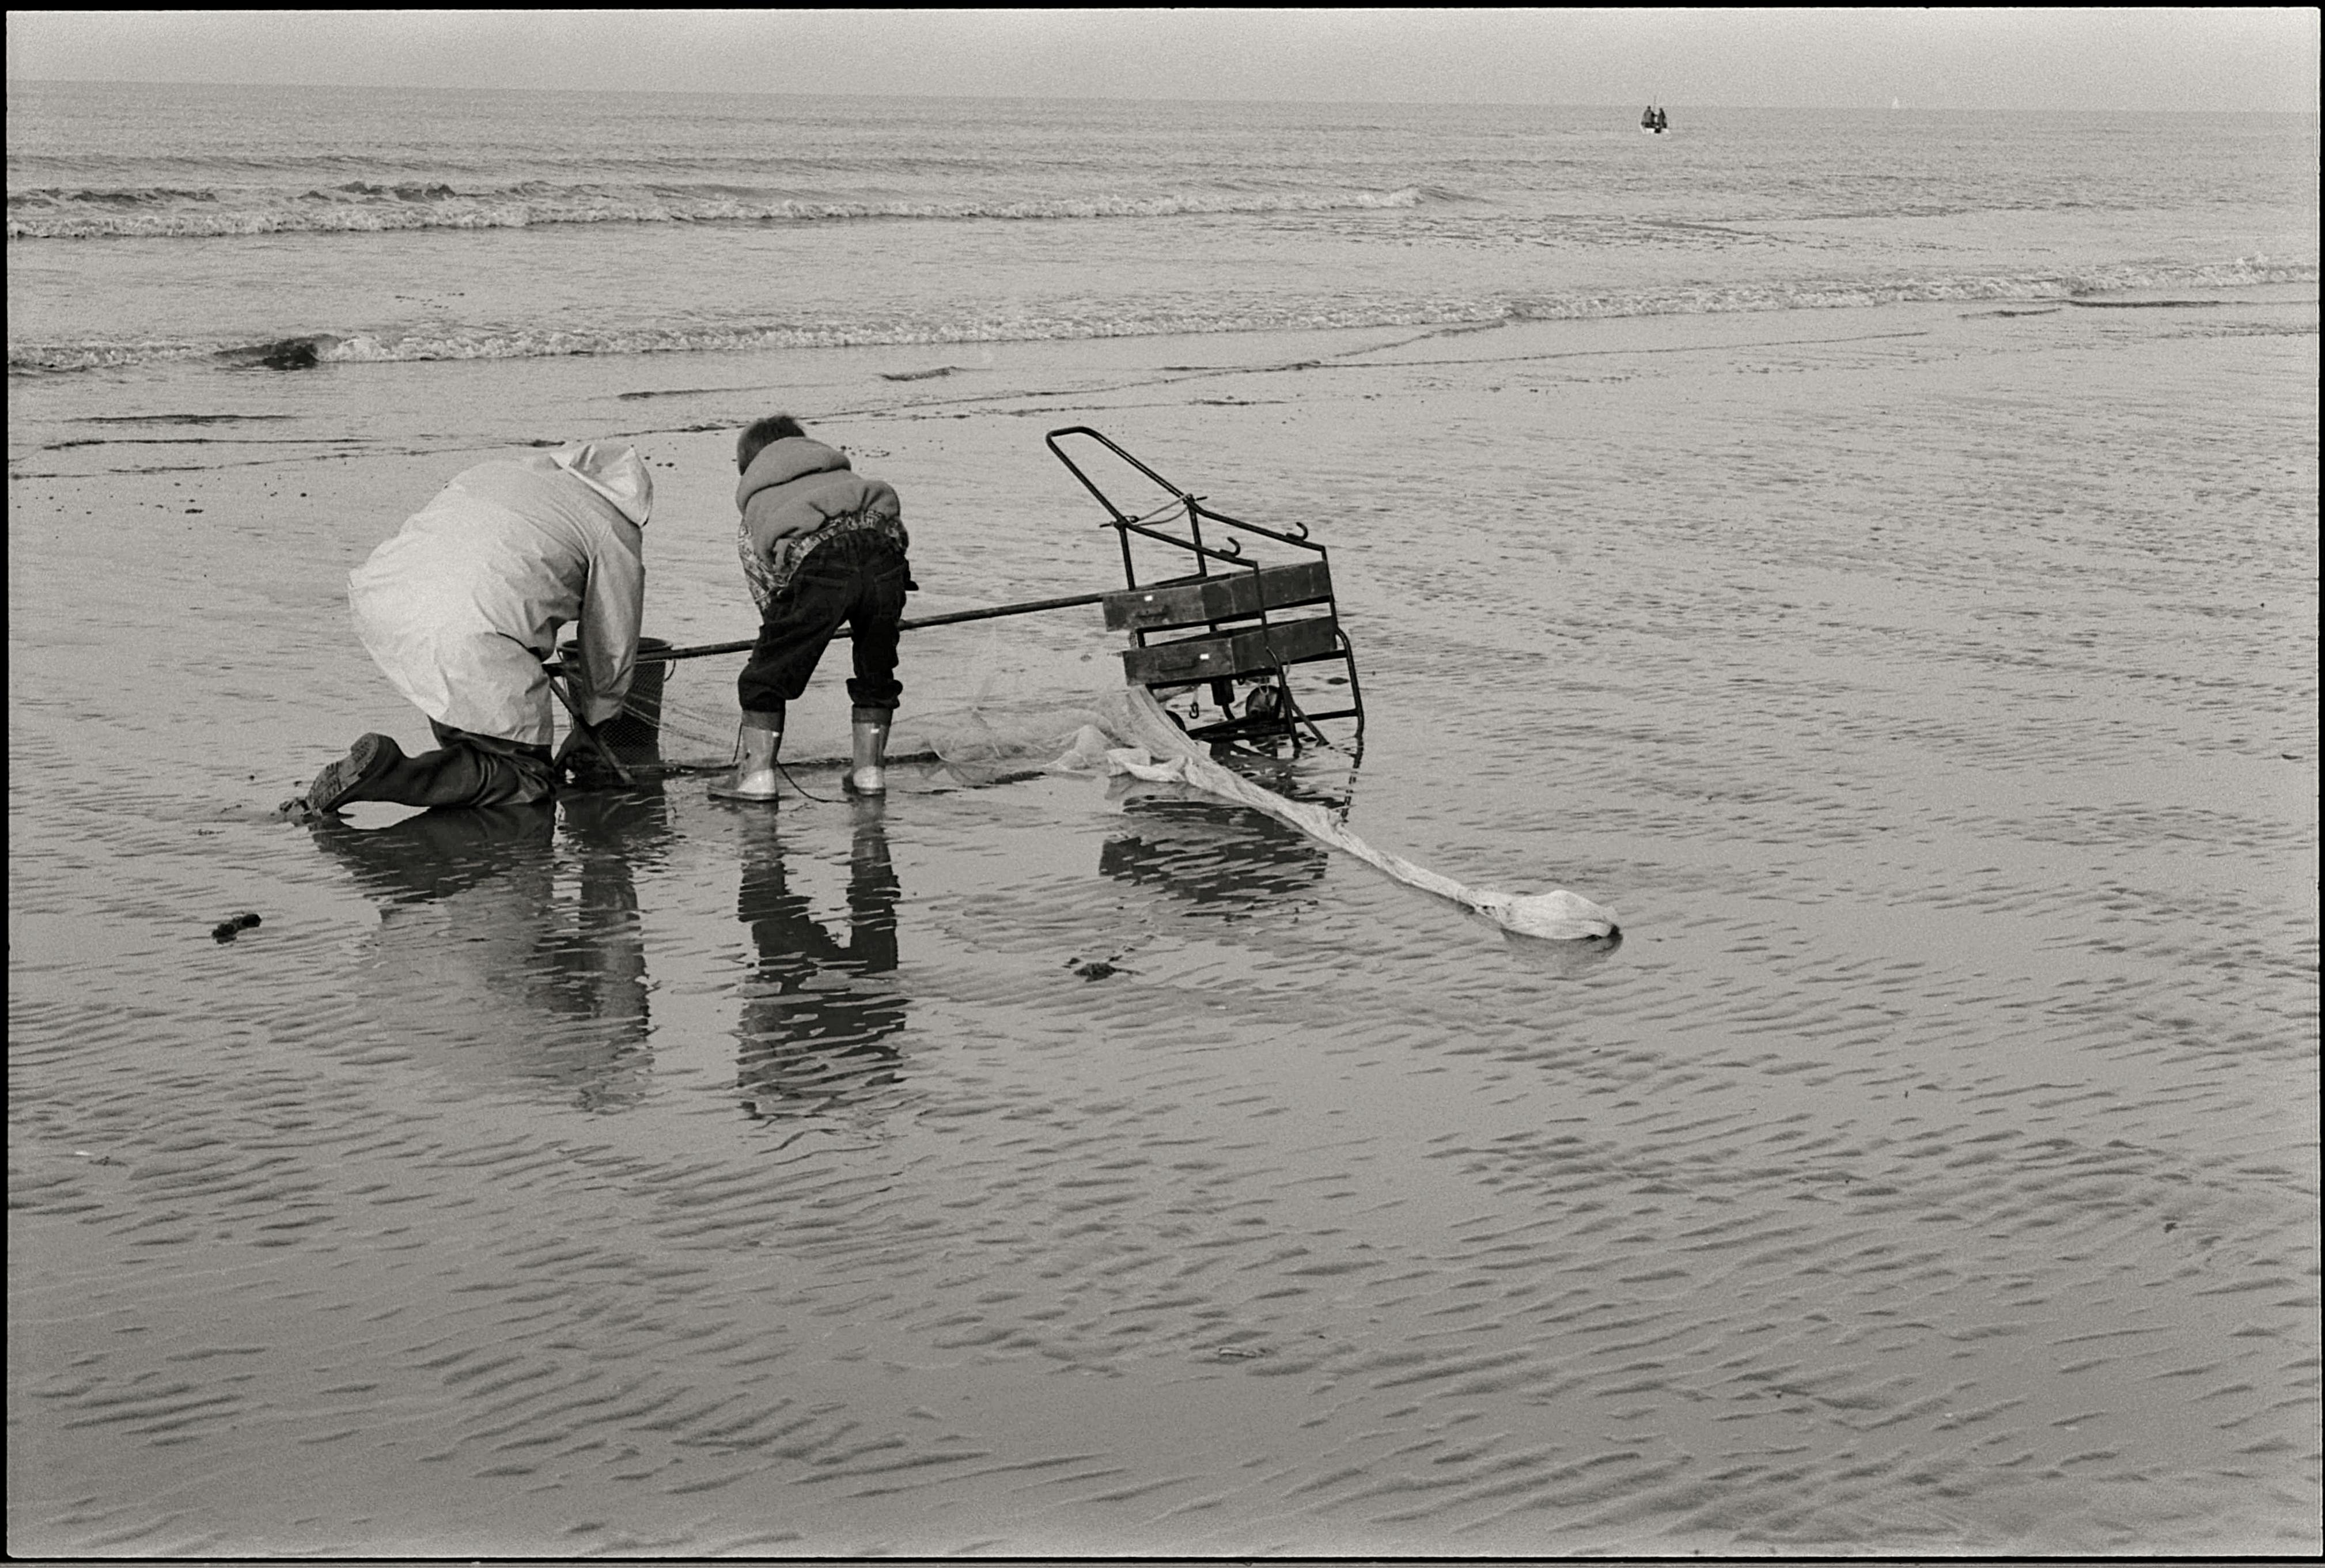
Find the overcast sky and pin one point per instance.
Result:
(2181, 58)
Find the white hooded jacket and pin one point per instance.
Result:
(463, 604)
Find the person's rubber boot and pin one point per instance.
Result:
(754, 774)
(460, 774)
(345, 780)
(867, 773)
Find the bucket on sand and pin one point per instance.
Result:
(635, 734)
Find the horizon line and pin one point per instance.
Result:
(1894, 107)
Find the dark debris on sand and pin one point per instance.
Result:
(234, 925)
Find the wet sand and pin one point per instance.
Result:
(1933, 1169)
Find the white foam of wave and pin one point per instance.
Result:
(1857, 294)
(307, 350)
(360, 208)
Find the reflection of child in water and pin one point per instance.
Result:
(810, 1040)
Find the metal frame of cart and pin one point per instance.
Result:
(1247, 622)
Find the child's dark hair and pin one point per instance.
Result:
(776, 427)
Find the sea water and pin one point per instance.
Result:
(383, 226)
(1874, 553)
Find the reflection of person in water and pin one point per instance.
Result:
(814, 1034)
(478, 965)
(1224, 859)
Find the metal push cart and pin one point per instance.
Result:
(1236, 622)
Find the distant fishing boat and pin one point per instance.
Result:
(1654, 120)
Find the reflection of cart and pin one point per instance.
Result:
(1238, 626)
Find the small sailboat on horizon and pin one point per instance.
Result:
(1654, 120)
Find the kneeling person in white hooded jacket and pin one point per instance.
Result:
(464, 604)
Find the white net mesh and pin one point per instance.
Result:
(989, 706)
(1151, 747)
(988, 699)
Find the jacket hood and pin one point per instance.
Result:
(781, 462)
(615, 471)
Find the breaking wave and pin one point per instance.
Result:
(165, 212)
(1132, 320)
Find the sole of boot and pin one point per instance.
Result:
(368, 757)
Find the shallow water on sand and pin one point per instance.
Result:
(1038, 1168)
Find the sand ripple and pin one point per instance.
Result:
(1019, 1170)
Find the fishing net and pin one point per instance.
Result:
(989, 702)
(1136, 737)
(987, 706)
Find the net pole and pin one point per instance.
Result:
(708, 650)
